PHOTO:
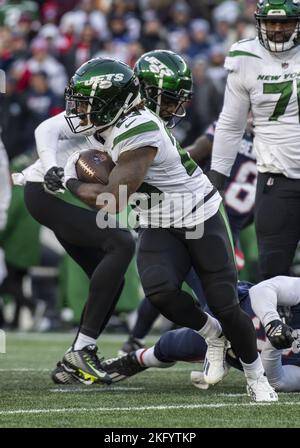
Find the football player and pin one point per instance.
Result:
(103, 253)
(279, 342)
(172, 236)
(264, 77)
(239, 192)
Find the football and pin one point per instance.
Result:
(94, 166)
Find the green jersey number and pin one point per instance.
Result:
(285, 90)
(189, 164)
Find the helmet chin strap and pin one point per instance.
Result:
(121, 111)
(134, 103)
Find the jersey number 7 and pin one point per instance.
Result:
(285, 89)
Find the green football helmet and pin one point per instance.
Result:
(278, 24)
(166, 84)
(99, 93)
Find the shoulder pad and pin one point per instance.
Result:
(134, 117)
(238, 52)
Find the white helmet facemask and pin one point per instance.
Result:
(278, 47)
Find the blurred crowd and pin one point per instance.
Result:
(42, 43)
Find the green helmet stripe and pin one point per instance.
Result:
(140, 129)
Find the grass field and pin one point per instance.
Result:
(161, 398)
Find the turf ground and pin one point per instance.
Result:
(160, 398)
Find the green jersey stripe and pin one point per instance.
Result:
(235, 53)
(140, 129)
(226, 222)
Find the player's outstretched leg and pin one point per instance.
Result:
(123, 367)
(135, 362)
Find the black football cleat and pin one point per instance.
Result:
(122, 368)
(61, 375)
(86, 365)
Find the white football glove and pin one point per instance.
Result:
(70, 168)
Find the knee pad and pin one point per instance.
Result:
(160, 300)
(156, 279)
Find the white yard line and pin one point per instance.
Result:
(142, 408)
(70, 389)
(25, 370)
(153, 370)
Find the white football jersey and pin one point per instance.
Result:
(178, 184)
(268, 84)
(55, 142)
(276, 291)
(172, 174)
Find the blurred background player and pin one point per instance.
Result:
(264, 77)
(239, 190)
(278, 342)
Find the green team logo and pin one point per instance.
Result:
(158, 67)
(104, 81)
(277, 12)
